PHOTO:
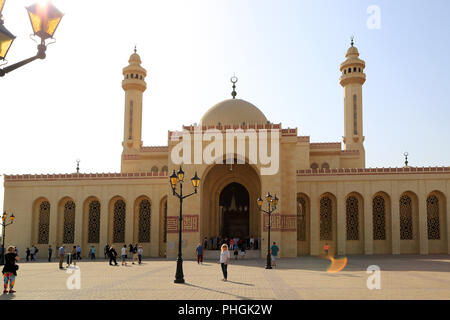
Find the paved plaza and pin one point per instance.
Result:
(402, 277)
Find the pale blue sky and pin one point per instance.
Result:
(286, 54)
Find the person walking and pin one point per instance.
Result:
(224, 258)
(106, 251)
(50, 252)
(199, 252)
(73, 257)
(274, 253)
(32, 252)
(36, 250)
(78, 252)
(92, 253)
(236, 252)
(140, 252)
(130, 250)
(28, 251)
(124, 254)
(10, 270)
(243, 251)
(135, 255)
(205, 243)
(112, 253)
(252, 243)
(61, 256)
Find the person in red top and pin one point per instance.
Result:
(326, 247)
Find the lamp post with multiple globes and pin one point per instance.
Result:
(178, 178)
(44, 19)
(4, 224)
(272, 203)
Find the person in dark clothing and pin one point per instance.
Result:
(106, 251)
(50, 251)
(10, 270)
(112, 253)
(28, 254)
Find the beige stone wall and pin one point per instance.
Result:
(23, 196)
(391, 184)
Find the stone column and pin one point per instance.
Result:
(368, 221)
(154, 225)
(104, 207)
(422, 208)
(395, 219)
(341, 223)
(314, 221)
(53, 227)
(79, 225)
(448, 217)
(129, 217)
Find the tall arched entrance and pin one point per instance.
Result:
(228, 201)
(234, 211)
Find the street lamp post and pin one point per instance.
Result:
(44, 19)
(4, 224)
(272, 204)
(176, 178)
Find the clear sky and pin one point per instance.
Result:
(286, 54)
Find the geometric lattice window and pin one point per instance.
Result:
(352, 215)
(165, 169)
(94, 222)
(154, 169)
(44, 222)
(379, 218)
(301, 219)
(119, 222)
(433, 224)
(326, 221)
(165, 221)
(406, 223)
(69, 222)
(144, 221)
(314, 166)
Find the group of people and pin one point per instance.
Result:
(136, 251)
(215, 243)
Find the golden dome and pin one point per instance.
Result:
(233, 112)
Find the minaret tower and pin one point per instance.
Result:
(352, 80)
(134, 86)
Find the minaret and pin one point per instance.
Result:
(352, 80)
(134, 86)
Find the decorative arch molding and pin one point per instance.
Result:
(215, 178)
(142, 219)
(41, 221)
(409, 223)
(117, 208)
(91, 221)
(65, 230)
(436, 211)
(381, 223)
(328, 221)
(303, 223)
(354, 223)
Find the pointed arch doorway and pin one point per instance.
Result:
(234, 211)
(219, 214)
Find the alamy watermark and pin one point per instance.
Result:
(73, 281)
(216, 146)
(374, 280)
(374, 20)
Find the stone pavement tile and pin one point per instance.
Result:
(412, 277)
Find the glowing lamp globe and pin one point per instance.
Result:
(44, 19)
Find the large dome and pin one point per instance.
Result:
(233, 111)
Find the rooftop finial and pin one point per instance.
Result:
(406, 154)
(352, 38)
(234, 79)
(135, 50)
(78, 165)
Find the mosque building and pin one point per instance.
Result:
(326, 193)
